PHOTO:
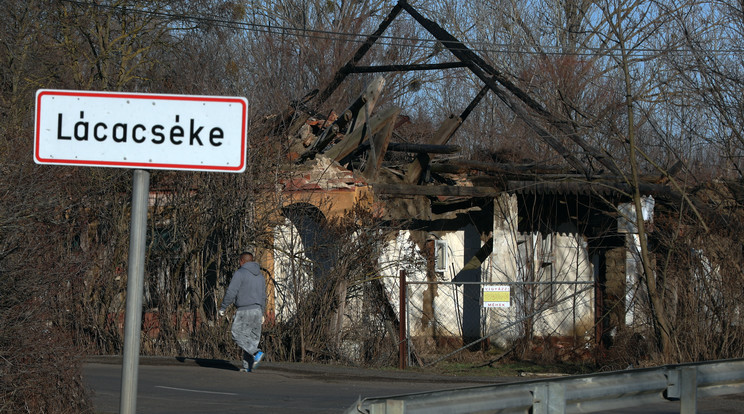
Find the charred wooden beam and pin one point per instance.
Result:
(443, 134)
(462, 166)
(474, 102)
(374, 125)
(543, 133)
(554, 187)
(427, 148)
(459, 204)
(592, 187)
(359, 112)
(288, 118)
(406, 68)
(363, 49)
(379, 143)
(356, 115)
(434, 190)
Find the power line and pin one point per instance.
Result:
(409, 42)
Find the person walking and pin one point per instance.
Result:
(247, 291)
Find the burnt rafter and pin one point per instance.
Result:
(441, 137)
(518, 100)
(358, 130)
(417, 148)
(459, 166)
(490, 75)
(349, 119)
(363, 49)
(434, 190)
(595, 187)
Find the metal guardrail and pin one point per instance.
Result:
(576, 394)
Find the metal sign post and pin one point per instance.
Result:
(135, 292)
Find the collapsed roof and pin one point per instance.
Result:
(358, 139)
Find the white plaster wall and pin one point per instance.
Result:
(449, 300)
(502, 323)
(292, 270)
(573, 312)
(403, 253)
(502, 264)
(522, 257)
(568, 253)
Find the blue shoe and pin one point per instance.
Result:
(257, 358)
(245, 370)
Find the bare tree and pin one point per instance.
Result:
(40, 369)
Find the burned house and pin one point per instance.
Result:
(546, 235)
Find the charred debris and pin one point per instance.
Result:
(432, 192)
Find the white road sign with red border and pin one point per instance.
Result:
(143, 131)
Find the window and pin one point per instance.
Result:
(440, 255)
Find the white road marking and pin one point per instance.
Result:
(199, 391)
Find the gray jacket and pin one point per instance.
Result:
(247, 289)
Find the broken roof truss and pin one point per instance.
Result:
(360, 128)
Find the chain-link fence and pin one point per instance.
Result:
(446, 318)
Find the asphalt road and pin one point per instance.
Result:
(168, 385)
(172, 385)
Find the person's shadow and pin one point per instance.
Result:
(210, 363)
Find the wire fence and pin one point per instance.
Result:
(444, 319)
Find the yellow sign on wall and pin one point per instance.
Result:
(496, 296)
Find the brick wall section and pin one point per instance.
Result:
(328, 186)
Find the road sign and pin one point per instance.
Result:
(143, 131)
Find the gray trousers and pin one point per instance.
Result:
(246, 331)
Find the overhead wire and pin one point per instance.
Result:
(388, 40)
